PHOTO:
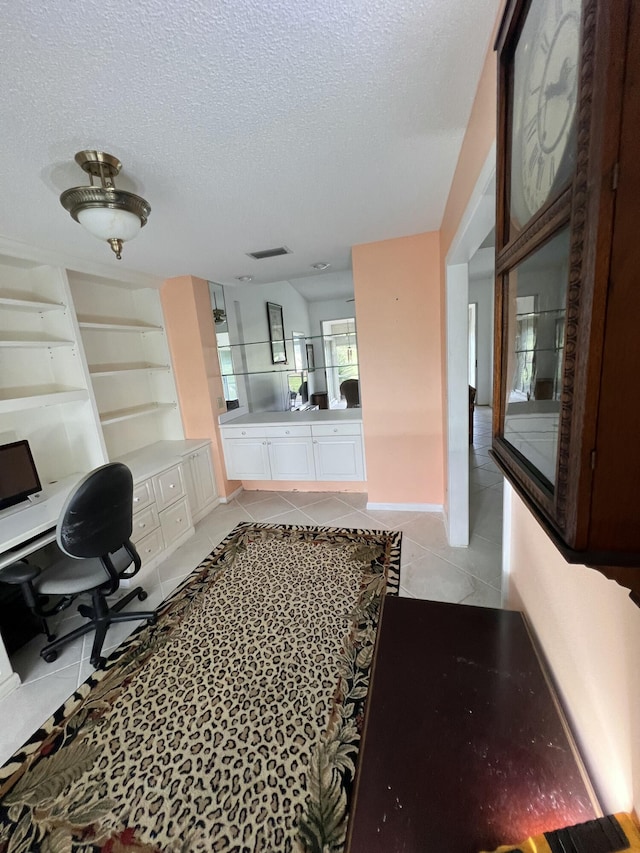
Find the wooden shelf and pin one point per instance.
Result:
(134, 412)
(117, 369)
(115, 325)
(30, 305)
(20, 399)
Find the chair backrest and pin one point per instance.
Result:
(350, 390)
(96, 519)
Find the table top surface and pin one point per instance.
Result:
(465, 746)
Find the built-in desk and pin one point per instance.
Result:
(173, 482)
(465, 746)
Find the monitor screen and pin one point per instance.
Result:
(18, 475)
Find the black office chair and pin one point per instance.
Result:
(94, 529)
(350, 390)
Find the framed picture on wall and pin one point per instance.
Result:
(311, 359)
(276, 333)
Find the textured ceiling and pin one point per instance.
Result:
(246, 124)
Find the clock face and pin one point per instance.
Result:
(544, 105)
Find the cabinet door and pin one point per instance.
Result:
(201, 486)
(339, 457)
(291, 459)
(203, 475)
(247, 458)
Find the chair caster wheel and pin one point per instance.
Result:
(142, 595)
(152, 620)
(49, 657)
(98, 663)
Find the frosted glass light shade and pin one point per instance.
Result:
(110, 223)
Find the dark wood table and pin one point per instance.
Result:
(465, 746)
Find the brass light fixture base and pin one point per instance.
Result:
(105, 167)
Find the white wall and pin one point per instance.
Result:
(481, 291)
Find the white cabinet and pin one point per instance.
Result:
(247, 458)
(337, 450)
(200, 482)
(269, 453)
(161, 515)
(291, 458)
(306, 452)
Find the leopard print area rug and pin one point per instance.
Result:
(233, 724)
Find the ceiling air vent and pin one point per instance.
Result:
(270, 253)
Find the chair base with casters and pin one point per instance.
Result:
(66, 580)
(100, 617)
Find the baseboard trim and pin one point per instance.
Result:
(407, 507)
(228, 498)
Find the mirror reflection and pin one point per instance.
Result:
(321, 370)
(536, 297)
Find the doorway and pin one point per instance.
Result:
(476, 223)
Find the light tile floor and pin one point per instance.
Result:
(430, 569)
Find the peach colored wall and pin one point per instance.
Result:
(397, 292)
(192, 339)
(589, 631)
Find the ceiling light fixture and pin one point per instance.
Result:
(244, 278)
(320, 266)
(218, 313)
(109, 214)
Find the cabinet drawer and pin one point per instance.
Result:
(175, 521)
(144, 522)
(168, 487)
(150, 546)
(142, 495)
(336, 429)
(243, 432)
(293, 431)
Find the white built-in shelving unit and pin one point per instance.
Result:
(85, 368)
(128, 362)
(45, 389)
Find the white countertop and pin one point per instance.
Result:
(310, 416)
(147, 461)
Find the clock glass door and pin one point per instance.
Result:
(543, 108)
(534, 309)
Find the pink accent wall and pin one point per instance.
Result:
(397, 290)
(186, 305)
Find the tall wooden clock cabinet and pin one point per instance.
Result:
(566, 428)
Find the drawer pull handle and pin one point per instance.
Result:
(264, 442)
(172, 485)
(136, 500)
(147, 550)
(244, 432)
(286, 432)
(141, 525)
(335, 429)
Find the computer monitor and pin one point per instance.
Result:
(18, 476)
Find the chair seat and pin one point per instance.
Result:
(69, 577)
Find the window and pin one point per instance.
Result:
(340, 345)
